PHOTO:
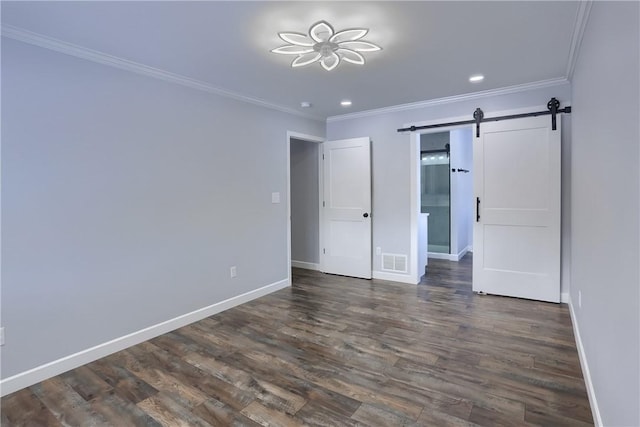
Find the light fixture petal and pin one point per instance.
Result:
(321, 31)
(349, 35)
(350, 56)
(306, 59)
(330, 62)
(359, 46)
(292, 50)
(297, 39)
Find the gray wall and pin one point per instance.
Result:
(604, 223)
(305, 222)
(125, 201)
(391, 159)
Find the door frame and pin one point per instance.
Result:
(318, 140)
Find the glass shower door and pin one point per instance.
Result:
(435, 194)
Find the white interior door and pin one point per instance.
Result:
(347, 208)
(516, 249)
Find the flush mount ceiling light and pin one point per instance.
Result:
(476, 78)
(326, 46)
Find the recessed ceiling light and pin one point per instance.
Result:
(477, 78)
(345, 103)
(305, 104)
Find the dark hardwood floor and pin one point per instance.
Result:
(336, 351)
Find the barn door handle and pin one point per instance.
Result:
(477, 209)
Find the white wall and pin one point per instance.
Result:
(305, 221)
(125, 201)
(391, 158)
(605, 208)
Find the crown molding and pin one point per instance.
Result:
(582, 16)
(452, 99)
(71, 49)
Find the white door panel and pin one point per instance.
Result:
(347, 207)
(499, 253)
(517, 235)
(511, 159)
(347, 177)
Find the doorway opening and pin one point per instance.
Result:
(446, 191)
(435, 189)
(304, 188)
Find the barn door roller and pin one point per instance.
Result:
(478, 115)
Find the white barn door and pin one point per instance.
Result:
(516, 249)
(347, 208)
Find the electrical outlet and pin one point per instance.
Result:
(579, 299)
(233, 271)
(2, 336)
(378, 250)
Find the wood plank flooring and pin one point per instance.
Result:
(336, 351)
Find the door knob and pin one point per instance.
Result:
(366, 215)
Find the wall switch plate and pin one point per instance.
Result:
(2, 336)
(233, 271)
(378, 250)
(275, 197)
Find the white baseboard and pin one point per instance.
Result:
(51, 369)
(305, 265)
(595, 411)
(450, 257)
(394, 277)
(564, 297)
(463, 252)
(440, 255)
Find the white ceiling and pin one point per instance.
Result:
(429, 48)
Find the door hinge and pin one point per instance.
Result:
(324, 251)
(323, 156)
(323, 203)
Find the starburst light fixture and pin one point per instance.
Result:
(326, 46)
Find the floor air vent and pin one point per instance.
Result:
(394, 262)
